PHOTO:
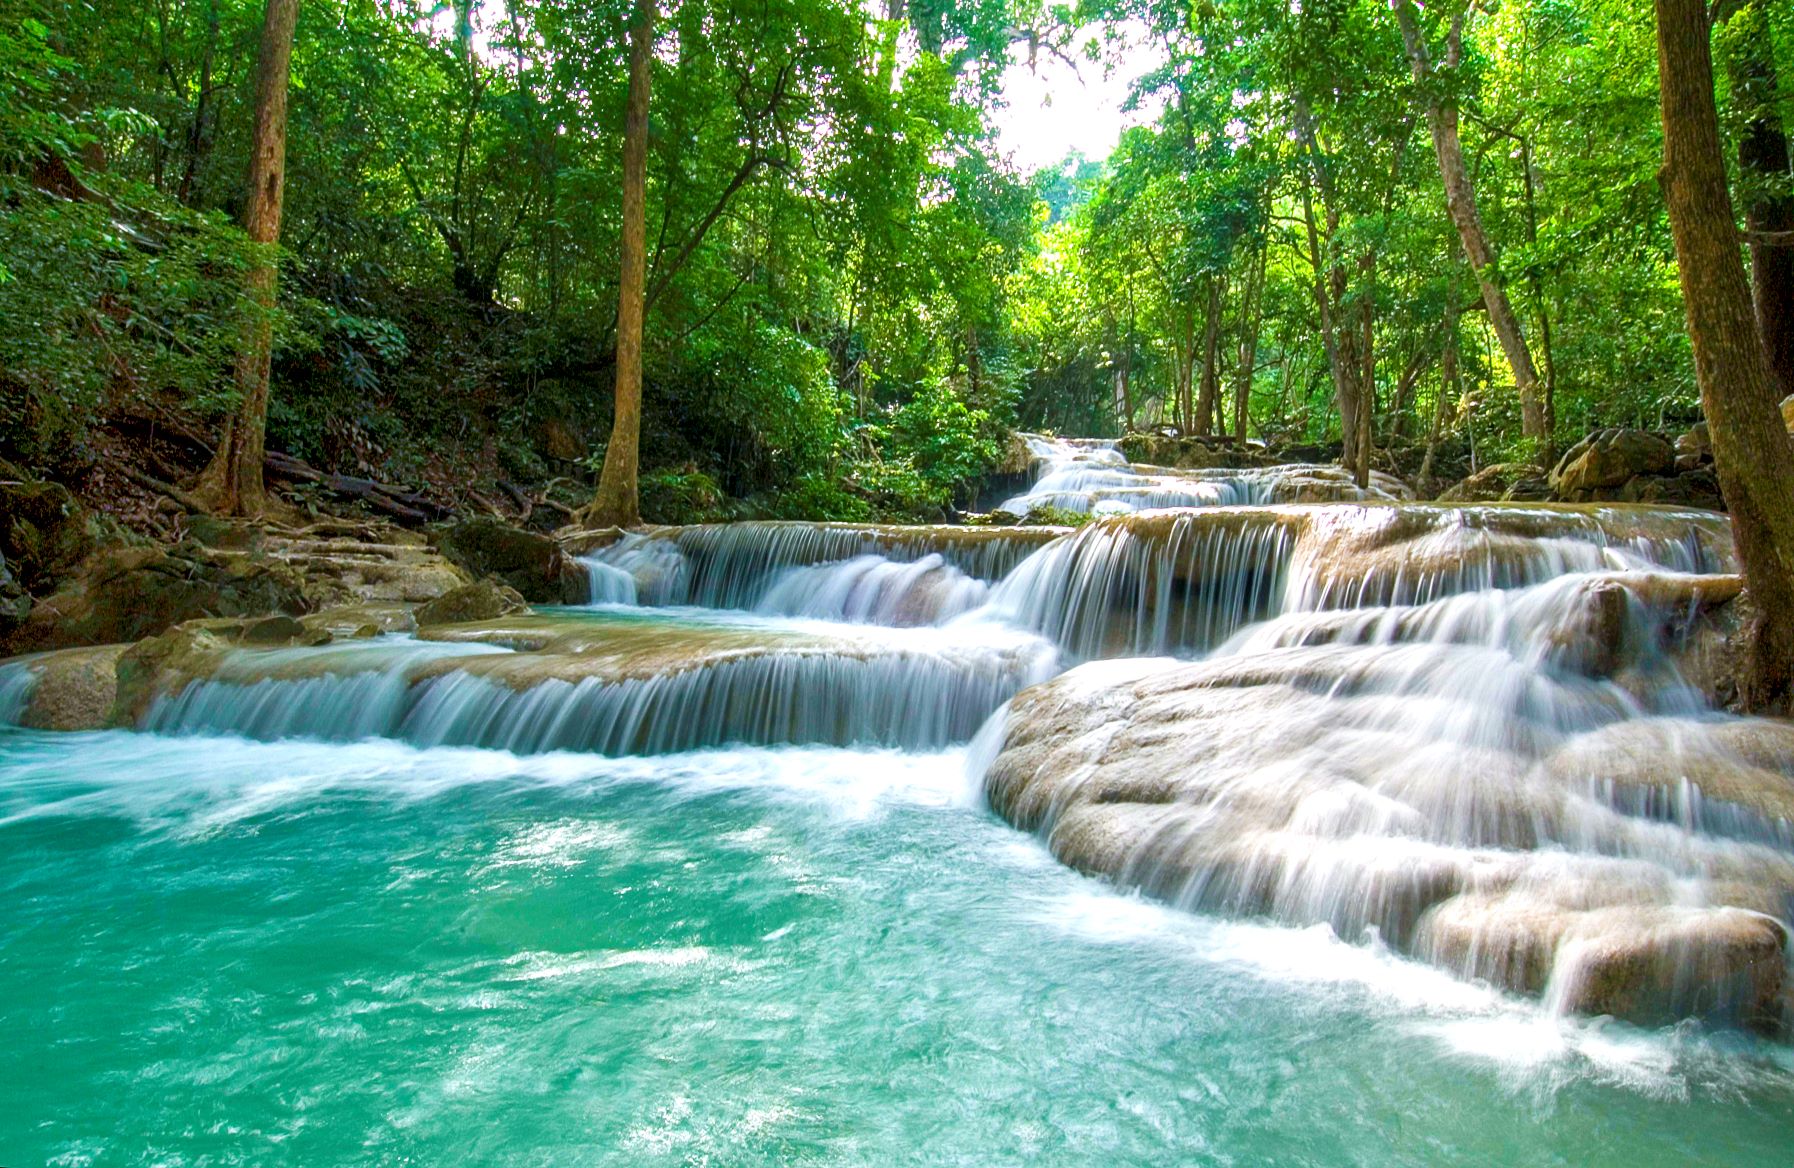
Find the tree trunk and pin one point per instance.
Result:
(1211, 353)
(1762, 161)
(1448, 390)
(1341, 366)
(233, 482)
(1460, 201)
(1186, 369)
(1248, 346)
(618, 502)
(1751, 450)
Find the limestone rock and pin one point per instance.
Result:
(534, 565)
(1638, 869)
(131, 593)
(76, 689)
(1608, 458)
(1497, 482)
(482, 601)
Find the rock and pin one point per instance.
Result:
(358, 621)
(1497, 482)
(15, 602)
(559, 441)
(1694, 448)
(1690, 488)
(76, 689)
(162, 665)
(1608, 458)
(1397, 789)
(44, 533)
(131, 593)
(280, 630)
(482, 601)
(534, 565)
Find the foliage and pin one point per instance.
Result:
(852, 293)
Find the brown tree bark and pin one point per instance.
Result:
(1460, 201)
(618, 501)
(1751, 451)
(1768, 213)
(232, 483)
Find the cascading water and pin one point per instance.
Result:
(1090, 477)
(1428, 757)
(16, 683)
(1438, 781)
(669, 689)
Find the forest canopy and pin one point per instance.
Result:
(852, 293)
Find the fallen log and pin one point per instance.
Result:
(394, 501)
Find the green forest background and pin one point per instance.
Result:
(853, 297)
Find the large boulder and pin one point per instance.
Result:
(532, 564)
(1609, 458)
(1688, 488)
(75, 689)
(480, 601)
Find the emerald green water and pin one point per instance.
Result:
(216, 952)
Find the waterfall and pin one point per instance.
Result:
(1092, 477)
(17, 680)
(1476, 734)
(873, 590)
(638, 569)
(913, 695)
(1182, 582)
(734, 565)
(1513, 783)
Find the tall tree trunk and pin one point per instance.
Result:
(1768, 213)
(1186, 371)
(1751, 450)
(1341, 366)
(1211, 352)
(618, 502)
(232, 483)
(1460, 201)
(1247, 353)
(1443, 406)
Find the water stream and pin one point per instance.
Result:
(705, 872)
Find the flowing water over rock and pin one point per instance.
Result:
(704, 871)
(1091, 477)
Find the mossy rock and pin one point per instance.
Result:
(482, 601)
(44, 533)
(534, 565)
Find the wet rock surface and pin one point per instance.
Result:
(1481, 790)
(533, 565)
